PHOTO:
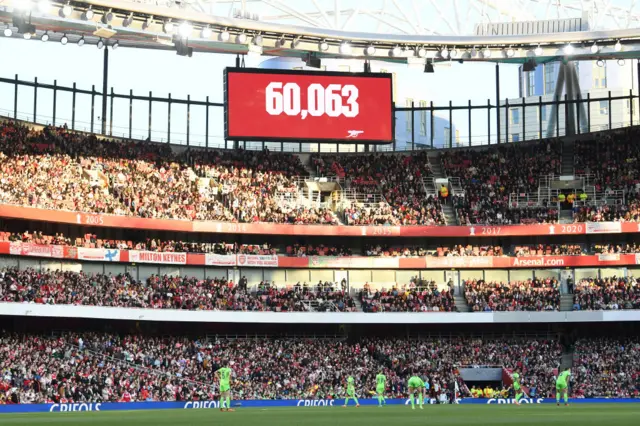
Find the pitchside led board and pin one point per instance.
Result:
(308, 106)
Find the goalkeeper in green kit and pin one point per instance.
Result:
(381, 385)
(224, 375)
(416, 384)
(351, 392)
(562, 386)
(517, 388)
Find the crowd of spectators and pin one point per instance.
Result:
(531, 295)
(607, 368)
(616, 248)
(424, 299)
(628, 212)
(100, 367)
(609, 293)
(58, 169)
(398, 178)
(549, 250)
(489, 176)
(158, 292)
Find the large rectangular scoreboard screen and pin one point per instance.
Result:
(308, 106)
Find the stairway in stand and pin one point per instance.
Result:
(449, 214)
(566, 302)
(567, 158)
(461, 304)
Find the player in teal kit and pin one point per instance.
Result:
(351, 392)
(562, 386)
(416, 384)
(381, 385)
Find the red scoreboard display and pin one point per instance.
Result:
(308, 106)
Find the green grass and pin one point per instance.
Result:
(463, 415)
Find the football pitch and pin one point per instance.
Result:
(473, 415)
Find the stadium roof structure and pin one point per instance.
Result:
(390, 30)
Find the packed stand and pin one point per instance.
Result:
(610, 293)
(99, 367)
(63, 170)
(304, 250)
(628, 212)
(397, 177)
(606, 368)
(549, 250)
(416, 297)
(489, 176)
(616, 248)
(530, 295)
(156, 292)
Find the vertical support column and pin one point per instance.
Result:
(432, 124)
(93, 105)
(206, 131)
(169, 120)
(567, 115)
(73, 107)
(188, 118)
(55, 98)
(588, 112)
(524, 119)
(498, 99)
(488, 121)
(609, 110)
(451, 134)
(540, 117)
(35, 99)
(506, 120)
(554, 114)
(150, 111)
(15, 97)
(413, 128)
(630, 107)
(105, 85)
(111, 112)
(578, 104)
(130, 111)
(469, 122)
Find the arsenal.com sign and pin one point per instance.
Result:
(266, 261)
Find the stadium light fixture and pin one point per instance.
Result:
(396, 51)
(225, 36)
(147, 23)
(81, 41)
(167, 27)
(100, 44)
(8, 32)
(511, 52)
(44, 6)
(486, 52)
(453, 53)
(370, 50)
(257, 40)
(444, 53)
(618, 46)
(128, 20)
(115, 45)
(621, 62)
(421, 52)
(323, 46)
(538, 51)
(345, 48)
(600, 63)
(206, 32)
(295, 42)
(107, 17)
(185, 29)
(27, 36)
(88, 14)
(568, 49)
(64, 39)
(66, 11)
(45, 36)
(594, 48)
(241, 38)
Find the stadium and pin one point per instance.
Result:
(319, 212)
